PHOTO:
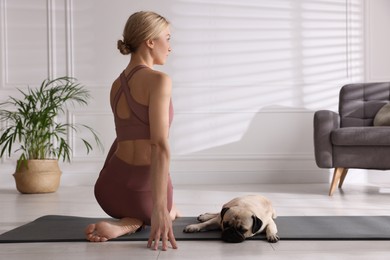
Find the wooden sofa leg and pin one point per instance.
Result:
(343, 174)
(337, 175)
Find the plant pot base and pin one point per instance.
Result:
(41, 176)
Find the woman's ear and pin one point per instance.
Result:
(150, 43)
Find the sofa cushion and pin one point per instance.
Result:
(361, 136)
(359, 103)
(382, 118)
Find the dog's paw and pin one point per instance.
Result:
(204, 217)
(272, 238)
(191, 228)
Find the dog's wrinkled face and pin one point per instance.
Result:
(238, 224)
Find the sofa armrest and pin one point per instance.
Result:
(325, 121)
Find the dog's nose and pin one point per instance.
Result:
(231, 235)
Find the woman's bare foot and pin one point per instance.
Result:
(174, 213)
(106, 230)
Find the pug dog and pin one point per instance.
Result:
(239, 219)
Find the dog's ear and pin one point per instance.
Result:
(257, 224)
(223, 211)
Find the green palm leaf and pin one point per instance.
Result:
(32, 122)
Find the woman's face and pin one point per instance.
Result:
(162, 47)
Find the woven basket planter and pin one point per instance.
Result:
(40, 176)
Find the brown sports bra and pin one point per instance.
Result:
(137, 125)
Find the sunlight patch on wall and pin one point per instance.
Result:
(333, 50)
(232, 60)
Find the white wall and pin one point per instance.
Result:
(247, 76)
(377, 60)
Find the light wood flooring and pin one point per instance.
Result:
(298, 200)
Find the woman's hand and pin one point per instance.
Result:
(161, 228)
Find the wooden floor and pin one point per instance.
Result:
(298, 200)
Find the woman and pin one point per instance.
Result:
(134, 185)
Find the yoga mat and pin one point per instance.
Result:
(55, 228)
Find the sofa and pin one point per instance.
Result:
(358, 136)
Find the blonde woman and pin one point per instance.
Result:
(134, 185)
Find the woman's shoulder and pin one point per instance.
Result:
(158, 75)
(115, 85)
(158, 78)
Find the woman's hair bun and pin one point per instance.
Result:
(124, 48)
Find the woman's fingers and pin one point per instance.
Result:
(172, 239)
(154, 240)
(150, 241)
(164, 242)
(155, 237)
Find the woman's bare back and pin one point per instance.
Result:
(136, 152)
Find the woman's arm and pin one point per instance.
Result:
(161, 223)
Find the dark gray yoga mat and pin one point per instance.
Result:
(55, 228)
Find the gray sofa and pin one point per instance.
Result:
(359, 135)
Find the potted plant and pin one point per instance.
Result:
(32, 123)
